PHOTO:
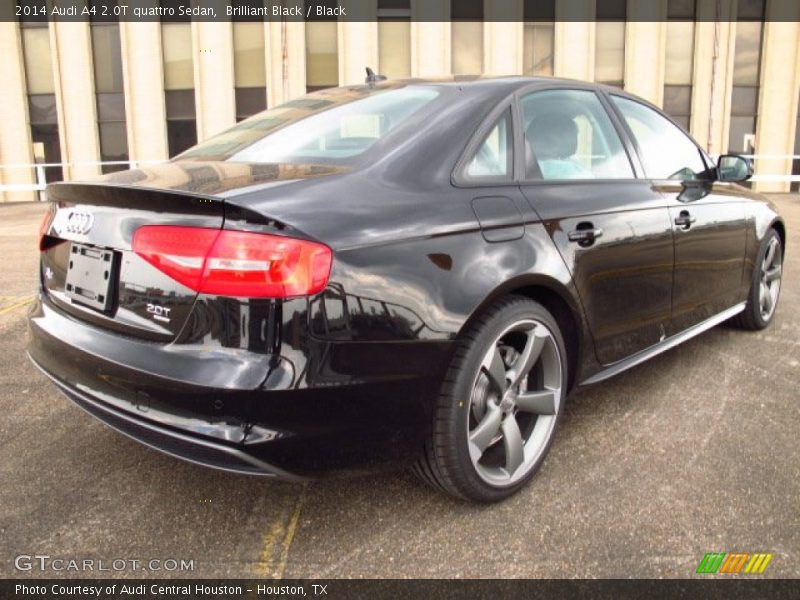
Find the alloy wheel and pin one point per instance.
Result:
(515, 399)
(770, 285)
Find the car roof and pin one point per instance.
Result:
(474, 83)
(482, 85)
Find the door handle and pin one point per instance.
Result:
(684, 219)
(585, 234)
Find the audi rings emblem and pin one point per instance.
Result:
(79, 222)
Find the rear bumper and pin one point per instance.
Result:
(190, 448)
(241, 411)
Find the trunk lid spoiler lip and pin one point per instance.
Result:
(211, 180)
(161, 199)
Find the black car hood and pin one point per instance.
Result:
(222, 179)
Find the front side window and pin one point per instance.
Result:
(493, 158)
(569, 135)
(332, 126)
(666, 151)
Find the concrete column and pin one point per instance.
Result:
(430, 39)
(285, 48)
(777, 102)
(215, 99)
(714, 39)
(71, 47)
(357, 43)
(645, 49)
(15, 141)
(574, 39)
(143, 71)
(503, 32)
(358, 49)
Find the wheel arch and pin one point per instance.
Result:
(780, 227)
(558, 300)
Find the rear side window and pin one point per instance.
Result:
(493, 159)
(569, 135)
(666, 151)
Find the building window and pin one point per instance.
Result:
(322, 51)
(538, 37)
(466, 36)
(176, 39)
(110, 94)
(38, 62)
(679, 64)
(746, 72)
(176, 43)
(43, 115)
(394, 38)
(249, 69)
(609, 59)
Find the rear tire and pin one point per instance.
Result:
(499, 404)
(765, 287)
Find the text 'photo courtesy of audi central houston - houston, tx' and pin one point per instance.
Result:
(397, 273)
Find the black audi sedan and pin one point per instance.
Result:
(413, 272)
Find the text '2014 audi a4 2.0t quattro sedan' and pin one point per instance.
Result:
(407, 272)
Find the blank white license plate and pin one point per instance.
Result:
(89, 276)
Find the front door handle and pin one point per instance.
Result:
(684, 219)
(585, 234)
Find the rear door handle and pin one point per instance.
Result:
(585, 234)
(684, 219)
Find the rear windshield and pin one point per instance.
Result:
(332, 126)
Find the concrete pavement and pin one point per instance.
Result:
(695, 451)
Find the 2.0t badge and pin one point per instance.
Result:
(159, 313)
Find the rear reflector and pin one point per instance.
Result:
(44, 227)
(235, 263)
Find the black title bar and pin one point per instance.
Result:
(42, 11)
(393, 589)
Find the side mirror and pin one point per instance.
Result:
(732, 167)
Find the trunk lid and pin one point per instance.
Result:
(92, 227)
(88, 267)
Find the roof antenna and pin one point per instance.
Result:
(372, 77)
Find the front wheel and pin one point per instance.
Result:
(765, 286)
(499, 405)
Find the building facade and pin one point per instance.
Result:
(82, 98)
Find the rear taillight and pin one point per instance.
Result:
(235, 263)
